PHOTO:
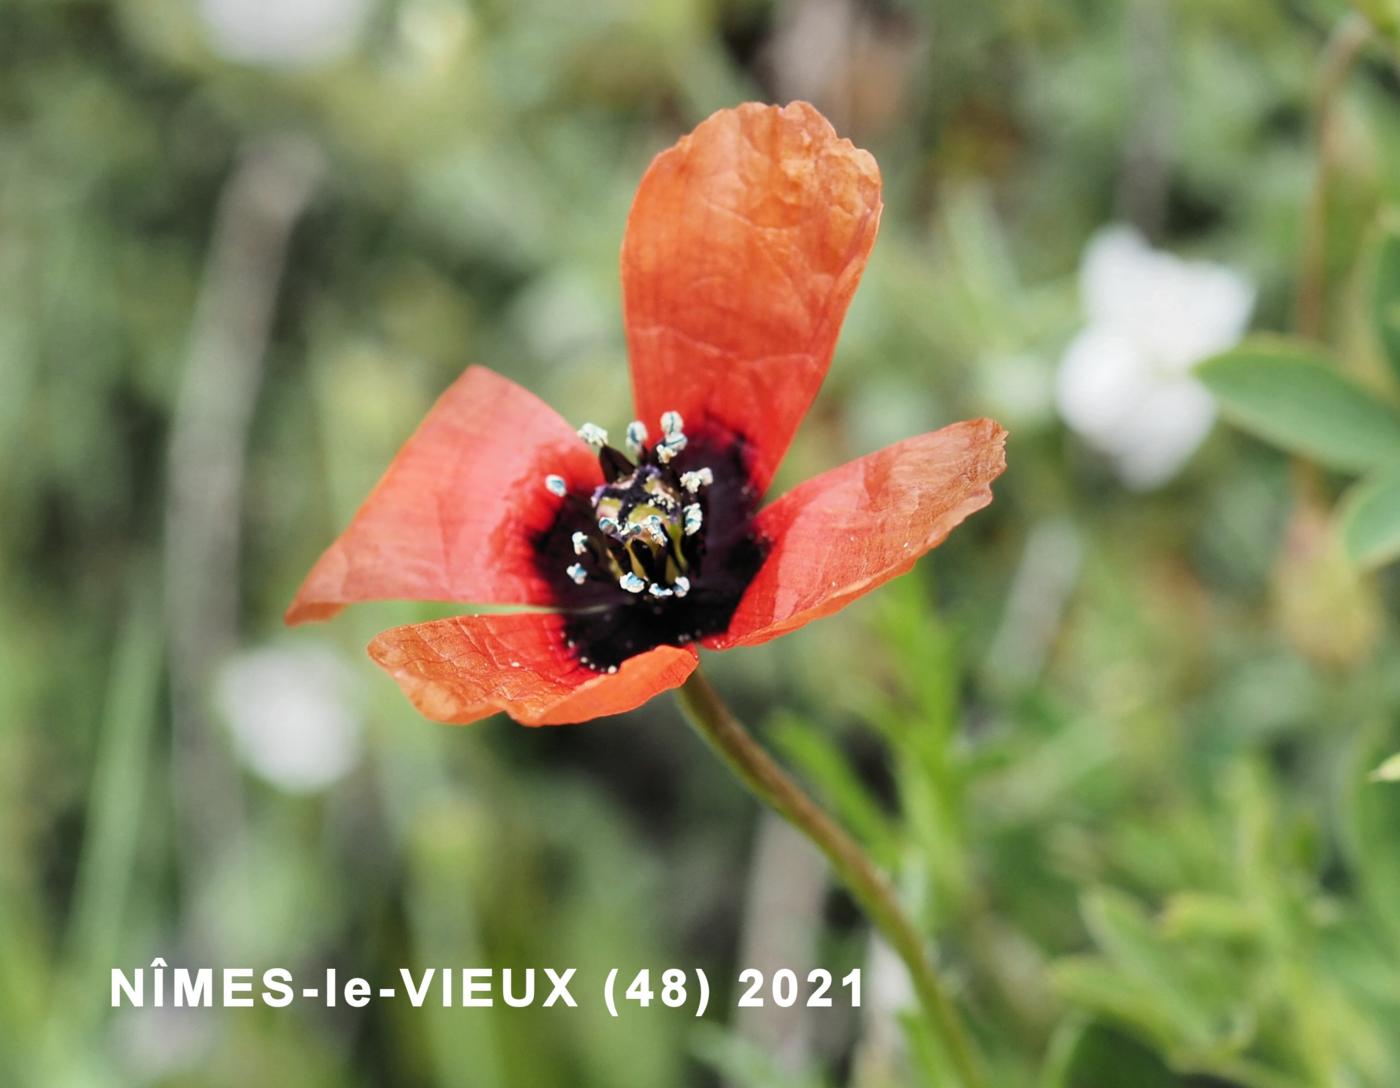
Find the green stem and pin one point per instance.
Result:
(1339, 56)
(706, 712)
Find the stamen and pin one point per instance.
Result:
(656, 529)
(675, 441)
(556, 485)
(594, 435)
(694, 481)
(644, 512)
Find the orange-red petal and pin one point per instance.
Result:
(743, 248)
(452, 518)
(462, 669)
(841, 534)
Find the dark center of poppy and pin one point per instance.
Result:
(659, 553)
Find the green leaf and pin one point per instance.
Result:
(1372, 814)
(831, 772)
(1196, 916)
(1385, 289)
(1096, 986)
(1370, 517)
(1096, 1054)
(1131, 941)
(1290, 394)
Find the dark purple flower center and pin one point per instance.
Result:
(658, 554)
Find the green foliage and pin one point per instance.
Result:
(1292, 394)
(1095, 1055)
(829, 771)
(1370, 520)
(1385, 291)
(1289, 394)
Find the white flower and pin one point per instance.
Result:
(291, 712)
(1125, 381)
(283, 32)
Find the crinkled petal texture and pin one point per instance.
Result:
(841, 534)
(743, 248)
(454, 515)
(462, 669)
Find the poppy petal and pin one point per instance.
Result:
(841, 534)
(743, 248)
(453, 516)
(465, 668)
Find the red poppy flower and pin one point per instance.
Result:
(742, 251)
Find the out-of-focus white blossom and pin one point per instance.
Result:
(288, 33)
(292, 714)
(1125, 381)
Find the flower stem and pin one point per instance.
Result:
(706, 712)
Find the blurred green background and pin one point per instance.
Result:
(1113, 743)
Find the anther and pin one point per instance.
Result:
(608, 525)
(674, 440)
(636, 436)
(631, 583)
(656, 529)
(594, 435)
(577, 573)
(556, 485)
(656, 589)
(694, 518)
(580, 544)
(668, 448)
(681, 586)
(695, 480)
